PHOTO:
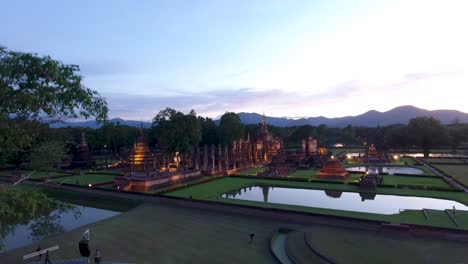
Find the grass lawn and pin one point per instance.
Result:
(169, 234)
(177, 185)
(310, 173)
(252, 171)
(85, 179)
(409, 180)
(210, 191)
(442, 160)
(111, 171)
(458, 172)
(35, 174)
(359, 246)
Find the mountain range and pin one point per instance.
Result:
(399, 115)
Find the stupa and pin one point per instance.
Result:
(82, 158)
(141, 162)
(142, 171)
(332, 169)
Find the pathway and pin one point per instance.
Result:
(454, 183)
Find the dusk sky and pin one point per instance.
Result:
(284, 58)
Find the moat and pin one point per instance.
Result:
(346, 201)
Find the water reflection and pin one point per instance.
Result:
(18, 234)
(333, 194)
(389, 170)
(348, 201)
(416, 155)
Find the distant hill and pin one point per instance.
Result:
(94, 124)
(399, 115)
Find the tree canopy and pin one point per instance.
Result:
(176, 131)
(36, 89)
(425, 132)
(39, 87)
(230, 128)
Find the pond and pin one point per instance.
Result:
(389, 170)
(347, 201)
(417, 155)
(58, 221)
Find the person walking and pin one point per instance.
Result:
(47, 258)
(97, 257)
(39, 257)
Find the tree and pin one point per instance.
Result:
(209, 131)
(301, 133)
(39, 88)
(457, 133)
(230, 128)
(425, 132)
(48, 155)
(176, 131)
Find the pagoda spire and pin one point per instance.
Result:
(83, 139)
(264, 128)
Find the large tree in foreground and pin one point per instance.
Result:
(425, 132)
(39, 88)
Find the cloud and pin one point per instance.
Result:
(347, 98)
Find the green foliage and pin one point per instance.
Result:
(425, 132)
(457, 133)
(32, 86)
(230, 128)
(47, 155)
(176, 131)
(209, 131)
(37, 88)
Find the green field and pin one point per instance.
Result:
(169, 234)
(458, 172)
(163, 233)
(85, 179)
(310, 173)
(359, 246)
(214, 189)
(419, 181)
(443, 160)
(34, 174)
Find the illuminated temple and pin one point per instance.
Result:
(267, 145)
(373, 156)
(141, 170)
(332, 169)
(141, 162)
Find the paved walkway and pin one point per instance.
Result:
(443, 176)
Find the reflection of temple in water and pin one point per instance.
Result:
(334, 194)
(367, 196)
(265, 190)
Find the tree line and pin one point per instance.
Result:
(37, 90)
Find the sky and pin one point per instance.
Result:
(284, 58)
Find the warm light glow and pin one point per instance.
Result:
(395, 157)
(332, 157)
(348, 156)
(90, 185)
